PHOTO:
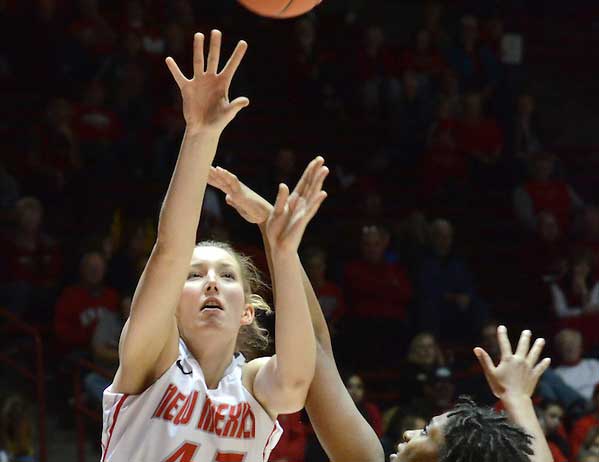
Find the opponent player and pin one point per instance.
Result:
(465, 434)
(181, 393)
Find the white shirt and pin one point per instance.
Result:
(178, 419)
(582, 377)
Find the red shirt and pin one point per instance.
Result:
(377, 290)
(292, 445)
(374, 418)
(551, 196)
(77, 312)
(580, 430)
(556, 452)
(481, 138)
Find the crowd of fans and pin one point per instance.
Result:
(432, 133)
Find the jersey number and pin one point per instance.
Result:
(186, 451)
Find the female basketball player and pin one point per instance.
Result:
(465, 434)
(181, 394)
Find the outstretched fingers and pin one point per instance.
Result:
(301, 185)
(540, 368)
(175, 71)
(523, 344)
(317, 181)
(198, 54)
(485, 361)
(281, 201)
(235, 60)
(214, 53)
(535, 352)
(504, 342)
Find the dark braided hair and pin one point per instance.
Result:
(476, 434)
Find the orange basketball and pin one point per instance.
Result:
(279, 8)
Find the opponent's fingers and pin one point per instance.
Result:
(318, 181)
(175, 71)
(535, 352)
(540, 368)
(282, 196)
(235, 59)
(198, 54)
(523, 343)
(314, 204)
(301, 185)
(504, 342)
(485, 361)
(214, 53)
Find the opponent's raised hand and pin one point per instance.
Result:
(205, 96)
(291, 213)
(249, 204)
(517, 373)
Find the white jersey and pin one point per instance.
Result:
(178, 419)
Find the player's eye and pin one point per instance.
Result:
(228, 275)
(193, 275)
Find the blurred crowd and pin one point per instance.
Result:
(448, 209)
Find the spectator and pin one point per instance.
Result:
(424, 357)
(438, 394)
(329, 294)
(474, 65)
(412, 234)
(446, 292)
(575, 297)
(53, 157)
(544, 193)
(31, 267)
(478, 137)
(582, 374)
(551, 415)
(376, 72)
(433, 15)
(292, 445)
(544, 258)
(80, 306)
(583, 426)
(423, 58)
(375, 288)
(105, 348)
(16, 431)
(523, 135)
(590, 447)
(370, 411)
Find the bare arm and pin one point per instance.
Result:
(513, 381)
(332, 412)
(149, 341)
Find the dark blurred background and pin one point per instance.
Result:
(462, 140)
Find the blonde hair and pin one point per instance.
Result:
(252, 338)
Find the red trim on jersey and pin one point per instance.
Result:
(268, 441)
(116, 416)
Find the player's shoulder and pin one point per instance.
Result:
(250, 370)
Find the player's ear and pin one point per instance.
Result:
(248, 315)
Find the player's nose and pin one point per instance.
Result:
(408, 435)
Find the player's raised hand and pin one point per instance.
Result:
(291, 214)
(206, 102)
(517, 373)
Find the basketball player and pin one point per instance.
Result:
(181, 393)
(465, 434)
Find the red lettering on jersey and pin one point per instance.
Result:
(184, 415)
(219, 417)
(228, 457)
(168, 415)
(168, 394)
(247, 419)
(184, 453)
(206, 421)
(233, 422)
